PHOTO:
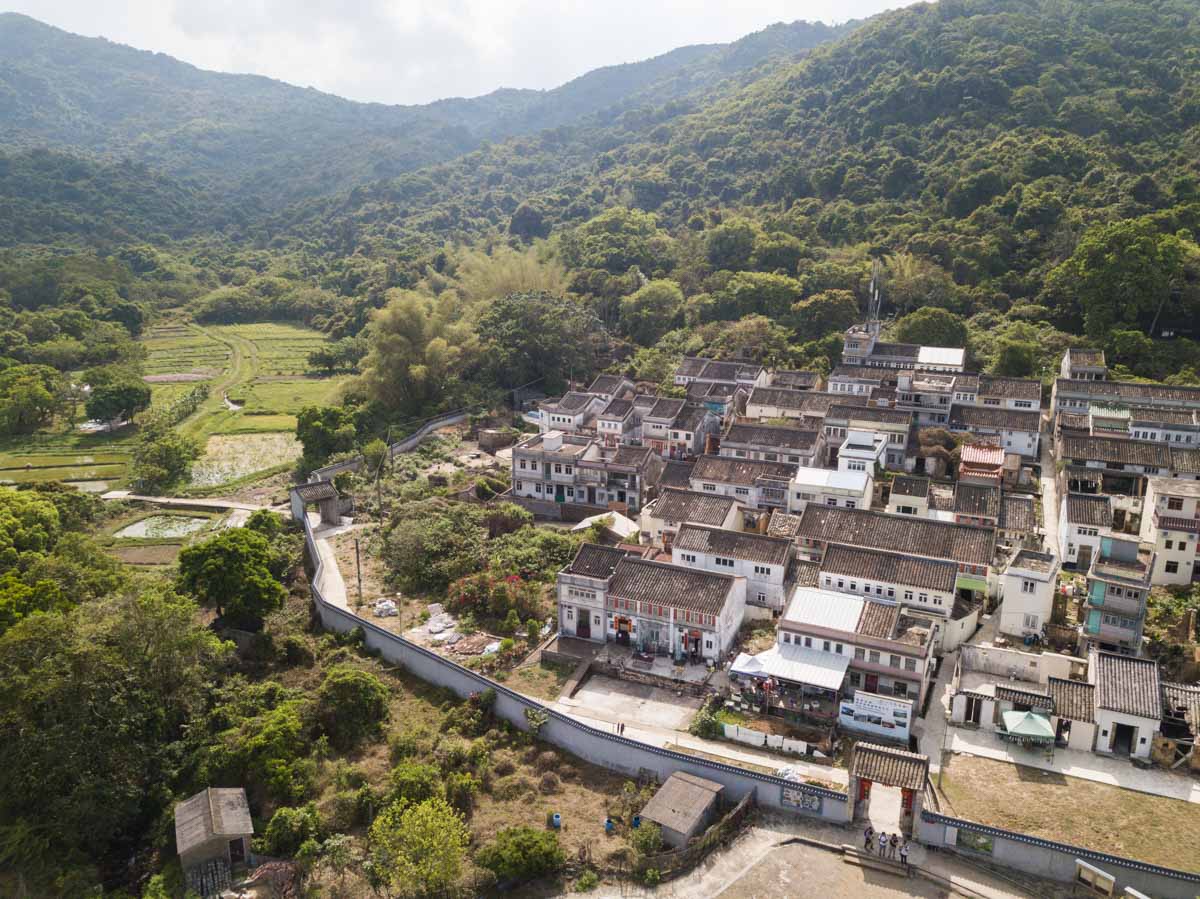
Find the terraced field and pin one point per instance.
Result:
(184, 351)
(93, 462)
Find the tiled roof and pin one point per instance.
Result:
(691, 506)
(670, 585)
(1127, 684)
(1185, 461)
(690, 417)
(898, 533)
(981, 454)
(1073, 421)
(878, 620)
(977, 501)
(727, 470)
(1183, 701)
(844, 412)
(311, 493)
(1073, 699)
(902, 350)
(795, 379)
(968, 418)
(740, 545)
(595, 560)
(617, 408)
(1017, 696)
(1091, 510)
(1128, 391)
(801, 573)
(893, 568)
(690, 366)
(783, 524)
(631, 456)
(780, 436)
(708, 390)
(801, 400)
(905, 485)
(892, 767)
(666, 408)
(1115, 449)
(676, 474)
(573, 401)
(1011, 388)
(1162, 415)
(682, 802)
(729, 371)
(607, 383)
(1017, 513)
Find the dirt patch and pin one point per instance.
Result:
(157, 554)
(1079, 812)
(544, 681)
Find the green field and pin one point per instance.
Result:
(93, 462)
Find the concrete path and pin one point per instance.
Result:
(1074, 763)
(331, 583)
(931, 730)
(1049, 492)
(184, 502)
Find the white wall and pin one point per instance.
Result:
(1106, 722)
(1017, 604)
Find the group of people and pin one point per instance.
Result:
(890, 845)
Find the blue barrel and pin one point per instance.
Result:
(609, 827)
(637, 821)
(556, 821)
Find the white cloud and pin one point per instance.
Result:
(415, 51)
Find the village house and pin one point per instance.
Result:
(1079, 364)
(1027, 591)
(1013, 430)
(1171, 524)
(826, 487)
(795, 380)
(582, 589)
(1084, 519)
(861, 346)
(723, 400)
(763, 561)
(1006, 393)
(858, 380)
(571, 413)
(783, 402)
(699, 370)
(610, 387)
(1114, 607)
(654, 607)
(861, 451)
(892, 424)
(981, 463)
(661, 519)
(926, 395)
(773, 443)
(1129, 703)
(752, 483)
(1018, 524)
(214, 826)
(619, 422)
(676, 429)
(1074, 395)
(557, 468)
(909, 496)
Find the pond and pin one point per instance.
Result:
(156, 526)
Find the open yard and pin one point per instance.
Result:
(1079, 812)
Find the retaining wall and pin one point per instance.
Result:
(600, 747)
(407, 444)
(1056, 861)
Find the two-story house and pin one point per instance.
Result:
(893, 424)
(543, 467)
(1084, 519)
(784, 402)
(754, 484)
(1114, 609)
(909, 495)
(673, 508)
(827, 487)
(619, 422)
(568, 468)
(861, 346)
(1171, 524)
(610, 387)
(700, 370)
(1014, 430)
(1027, 592)
(677, 429)
(583, 589)
(763, 561)
(571, 413)
(773, 443)
(1082, 364)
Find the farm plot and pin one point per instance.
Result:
(92, 463)
(230, 457)
(183, 352)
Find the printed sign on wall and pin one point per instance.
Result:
(887, 716)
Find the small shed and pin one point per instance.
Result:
(683, 807)
(213, 825)
(324, 494)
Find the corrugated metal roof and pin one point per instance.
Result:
(797, 664)
(824, 608)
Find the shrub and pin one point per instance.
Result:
(587, 881)
(290, 827)
(513, 786)
(512, 622)
(452, 753)
(504, 765)
(549, 783)
(460, 791)
(351, 705)
(652, 877)
(352, 808)
(646, 839)
(546, 761)
(413, 782)
(521, 853)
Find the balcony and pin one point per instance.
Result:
(1115, 605)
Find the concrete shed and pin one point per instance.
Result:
(683, 807)
(213, 825)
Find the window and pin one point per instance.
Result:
(537, 488)
(908, 595)
(937, 600)
(1170, 544)
(825, 646)
(859, 653)
(570, 614)
(841, 584)
(923, 598)
(722, 563)
(522, 465)
(742, 491)
(520, 486)
(558, 468)
(711, 488)
(891, 592)
(856, 466)
(873, 656)
(851, 504)
(764, 570)
(1028, 586)
(1175, 503)
(899, 688)
(831, 500)
(894, 661)
(854, 586)
(687, 557)
(787, 638)
(762, 597)
(808, 642)
(1023, 404)
(1031, 622)
(708, 644)
(828, 581)
(1172, 568)
(855, 679)
(910, 664)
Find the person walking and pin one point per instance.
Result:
(904, 855)
(893, 844)
(883, 844)
(869, 839)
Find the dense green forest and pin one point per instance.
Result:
(1025, 171)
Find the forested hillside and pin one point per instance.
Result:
(250, 138)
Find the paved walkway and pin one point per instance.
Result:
(184, 502)
(1049, 492)
(331, 584)
(1075, 763)
(931, 730)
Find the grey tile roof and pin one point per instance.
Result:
(977, 500)
(690, 417)
(1128, 391)
(670, 585)
(618, 409)
(780, 436)
(878, 620)
(692, 506)
(1185, 461)
(802, 400)
(690, 366)
(783, 524)
(1120, 450)
(214, 812)
(905, 485)
(595, 560)
(1017, 513)
(1086, 356)
(608, 383)
(311, 493)
(1018, 696)
(968, 418)
(1011, 388)
(846, 412)
(728, 470)
(797, 380)
(1091, 510)
(1127, 684)
(676, 474)
(682, 802)
(737, 544)
(893, 767)
(802, 573)
(895, 568)
(666, 408)
(1073, 699)
(898, 533)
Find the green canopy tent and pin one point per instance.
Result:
(1027, 729)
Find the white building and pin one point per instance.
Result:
(1129, 703)
(844, 489)
(571, 413)
(1171, 522)
(1013, 430)
(1084, 519)
(909, 496)
(662, 518)
(761, 560)
(862, 451)
(1027, 592)
(751, 483)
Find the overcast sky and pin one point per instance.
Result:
(414, 51)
